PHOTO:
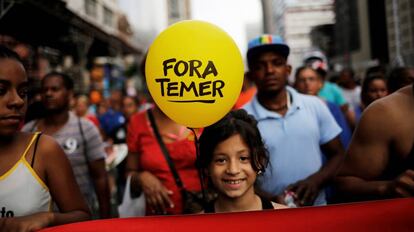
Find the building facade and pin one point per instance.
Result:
(300, 18)
(178, 10)
(65, 35)
(400, 24)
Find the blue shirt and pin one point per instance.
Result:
(111, 120)
(339, 116)
(294, 141)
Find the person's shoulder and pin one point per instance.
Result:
(48, 147)
(332, 86)
(86, 122)
(385, 106)
(398, 104)
(48, 141)
(248, 106)
(382, 112)
(404, 95)
(335, 86)
(138, 116)
(310, 100)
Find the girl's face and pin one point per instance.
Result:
(376, 90)
(230, 169)
(308, 82)
(13, 96)
(129, 107)
(81, 106)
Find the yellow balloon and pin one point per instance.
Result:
(194, 72)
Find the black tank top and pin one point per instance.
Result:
(266, 204)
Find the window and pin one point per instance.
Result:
(108, 15)
(90, 8)
(174, 9)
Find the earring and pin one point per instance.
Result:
(259, 172)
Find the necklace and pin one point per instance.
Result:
(286, 105)
(289, 101)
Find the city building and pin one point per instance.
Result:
(301, 17)
(400, 24)
(65, 35)
(279, 8)
(360, 41)
(178, 10)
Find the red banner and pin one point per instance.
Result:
(388, 215)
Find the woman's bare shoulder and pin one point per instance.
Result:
(48, 147)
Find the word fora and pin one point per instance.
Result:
(179, 88)
(192, 66)
(4, 213)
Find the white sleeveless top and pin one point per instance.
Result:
(22, 192)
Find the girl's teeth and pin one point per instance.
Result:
(233, 181)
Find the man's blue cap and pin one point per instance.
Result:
(265, 43)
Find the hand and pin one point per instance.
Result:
(305, 191)
(156, 195)
(289, 199)
(30, 223)
(279, 199)
(402, 186)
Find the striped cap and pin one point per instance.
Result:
(265, 43)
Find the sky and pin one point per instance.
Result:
(233, 16)
(148, 18)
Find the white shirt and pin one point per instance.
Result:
(22, 191)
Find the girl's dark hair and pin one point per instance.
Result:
(302, 68)
(8, 53)
(367, 81)
(235, 122)
(398, 78)
(299, 70)
(135, 99)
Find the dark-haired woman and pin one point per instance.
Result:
(34, 171)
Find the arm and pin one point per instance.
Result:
(368, 157)
(96, 167)
(101, 184)
(344, 105)
(349, 116)
(156, 195)
(308, 189)
(63, 188)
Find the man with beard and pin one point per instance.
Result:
(79, 139)
(298, 129)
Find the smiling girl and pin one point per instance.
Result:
(232, 154)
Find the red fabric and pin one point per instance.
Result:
(141, 140)
(93, 119)
(245, 97)
(389, 215)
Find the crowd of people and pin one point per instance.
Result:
(316, 141)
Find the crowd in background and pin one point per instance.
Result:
(311, 131)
